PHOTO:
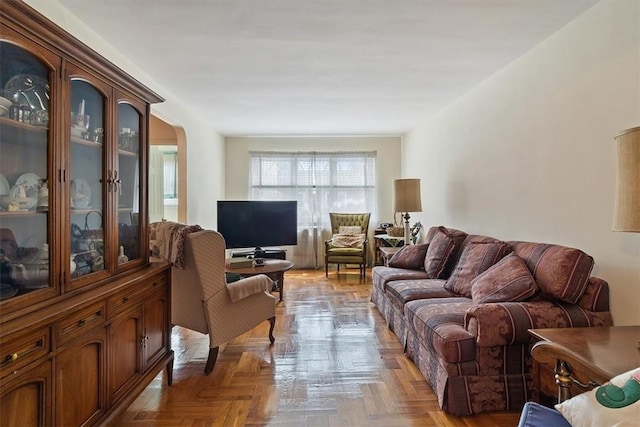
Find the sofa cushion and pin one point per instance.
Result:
(508, 280)
(381, 275)
(410, 257)
(439, 251)
(476, 258)
(439, 324)
(400, 292)
(561, 272)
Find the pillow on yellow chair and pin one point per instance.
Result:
(347, 240)
(349, 229)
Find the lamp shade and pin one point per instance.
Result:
(626, 215)
(407, 195)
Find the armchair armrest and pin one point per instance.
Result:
(246, 287)
(507, 323)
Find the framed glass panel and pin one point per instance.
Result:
(87, 201)
(128, 183)
(25, 224)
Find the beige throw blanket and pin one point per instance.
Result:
(166, 240)
(249, 286)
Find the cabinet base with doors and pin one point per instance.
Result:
(84, 359)
(84, 317)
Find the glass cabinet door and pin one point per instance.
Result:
(129, 178)
(87, 200)
(25, 224)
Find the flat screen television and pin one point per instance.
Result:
(258, 223)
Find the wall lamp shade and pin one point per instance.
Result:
(626, 215)
(407, 195)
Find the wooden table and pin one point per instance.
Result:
(273, 268)
(579, 359)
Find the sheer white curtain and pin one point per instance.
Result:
(321, 182)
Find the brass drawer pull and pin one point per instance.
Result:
(81, 322)
(11, 357)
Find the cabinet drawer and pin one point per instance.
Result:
(133, 295)
(17, 351)
(80, 321)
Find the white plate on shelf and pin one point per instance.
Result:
(4, 186)
(31, 183)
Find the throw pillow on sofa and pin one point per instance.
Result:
(440, 249)
(476, 258)
(508, 280)
(561, 272)
(410, 257)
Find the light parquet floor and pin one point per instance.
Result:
(334, 363)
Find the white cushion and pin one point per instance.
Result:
(584, 410)
(347, 240)
(349, 229)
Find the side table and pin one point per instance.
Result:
(387, 252)
(578, 359)
(386, 241)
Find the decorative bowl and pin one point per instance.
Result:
(78, 130)
(24, 203)
(5, 103)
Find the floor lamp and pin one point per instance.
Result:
(407, 199)
(626, 215)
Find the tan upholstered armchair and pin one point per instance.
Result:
(203, 301)
(349, 242)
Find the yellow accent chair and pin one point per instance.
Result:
(348, 244)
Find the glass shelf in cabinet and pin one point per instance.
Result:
(87, 142)
(20, 213)
(6, 121)
(127, 153)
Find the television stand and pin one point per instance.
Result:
(271, 253)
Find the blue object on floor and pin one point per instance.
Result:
(536, 415)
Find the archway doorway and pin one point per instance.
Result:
(167, 172)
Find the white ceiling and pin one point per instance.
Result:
(322, 67)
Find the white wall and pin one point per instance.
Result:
(529, 153)
(205, 147)
(387, 162)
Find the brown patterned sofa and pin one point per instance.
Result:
(462, 304)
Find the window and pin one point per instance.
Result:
(320, 182)
(170, 174)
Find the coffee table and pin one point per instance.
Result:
(273, 268)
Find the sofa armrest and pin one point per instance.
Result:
(246, 287)
(507, 323)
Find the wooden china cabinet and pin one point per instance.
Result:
(84, 317)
